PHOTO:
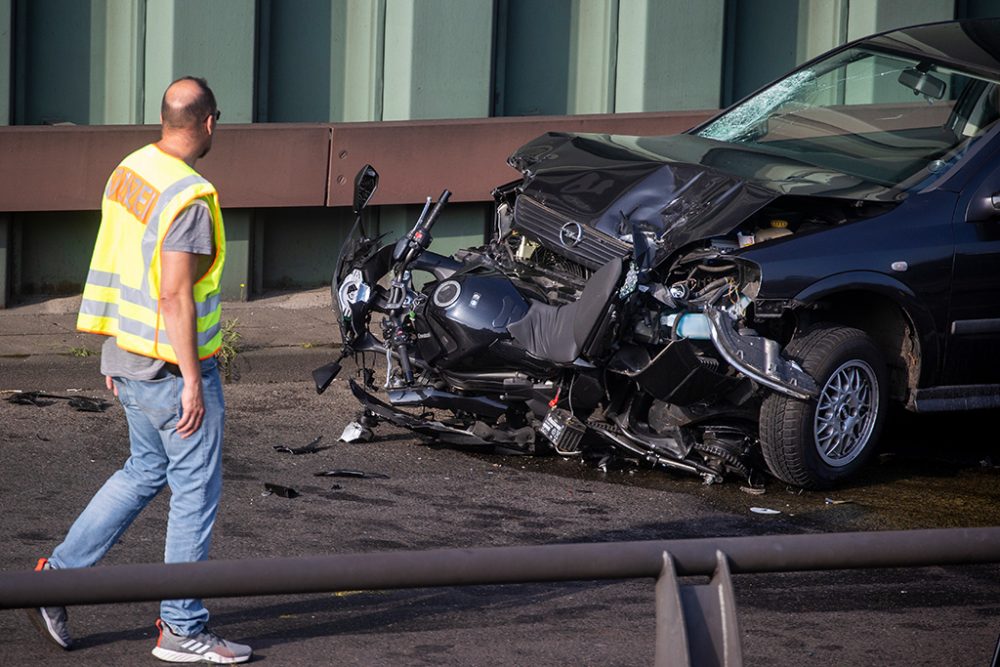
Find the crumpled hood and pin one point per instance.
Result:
(608, 182)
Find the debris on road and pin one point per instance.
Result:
(311, 448)
(41, 399)
(279, 490)
(344, 472)
(356, 432)
(764, 510)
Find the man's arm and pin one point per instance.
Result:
(179, 272)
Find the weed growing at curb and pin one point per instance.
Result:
(226, 356)
(80, 352)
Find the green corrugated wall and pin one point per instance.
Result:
(108, 61)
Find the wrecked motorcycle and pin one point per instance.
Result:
(494, 351)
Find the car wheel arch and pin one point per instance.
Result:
(892, 314)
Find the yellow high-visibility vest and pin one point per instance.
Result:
(121, 297)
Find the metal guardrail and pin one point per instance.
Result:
(695, 624)
(267, 165)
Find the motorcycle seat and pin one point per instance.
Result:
(560, 333)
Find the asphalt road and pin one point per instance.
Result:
(933, 473)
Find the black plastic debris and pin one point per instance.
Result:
(345, 472)
(41, 399)
(279, 490)
(29, 398)
(324, 375)
(311, 448)
(87, 404)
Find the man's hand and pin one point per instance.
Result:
(192, 408)
(110, 384)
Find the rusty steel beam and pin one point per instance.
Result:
(64, 168)
(420, 158)
(268, 166)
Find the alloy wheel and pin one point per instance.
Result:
(846, 412)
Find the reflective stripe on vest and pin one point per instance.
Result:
(121, 296)
(103, 279)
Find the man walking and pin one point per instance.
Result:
(153, 289)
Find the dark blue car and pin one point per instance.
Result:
(823, 248)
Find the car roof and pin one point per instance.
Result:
(972, 44)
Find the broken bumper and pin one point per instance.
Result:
(759, 358)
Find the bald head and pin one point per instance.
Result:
(186, 104)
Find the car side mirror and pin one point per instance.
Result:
(984, 209)
(364, 187)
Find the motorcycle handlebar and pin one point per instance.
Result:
(419, 237)
(425, 221)
(420, 219)
(432, 218)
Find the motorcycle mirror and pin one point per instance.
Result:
(364, 187)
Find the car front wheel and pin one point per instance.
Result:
(814, 444)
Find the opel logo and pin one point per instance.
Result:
(570, 234)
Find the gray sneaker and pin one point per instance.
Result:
(203, 646)
(52, 622)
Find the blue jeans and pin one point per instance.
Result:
(191, 466)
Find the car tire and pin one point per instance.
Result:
(814, 444)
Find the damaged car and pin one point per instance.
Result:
(752, 294)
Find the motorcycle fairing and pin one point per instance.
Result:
(559, 333)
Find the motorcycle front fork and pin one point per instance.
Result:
(397, 341)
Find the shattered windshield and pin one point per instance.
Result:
(890, 120)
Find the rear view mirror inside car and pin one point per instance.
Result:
(923, 83)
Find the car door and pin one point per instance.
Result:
(973, 335)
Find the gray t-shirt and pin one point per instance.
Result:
(191, 232)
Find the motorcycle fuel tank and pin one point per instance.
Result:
(468, 317)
